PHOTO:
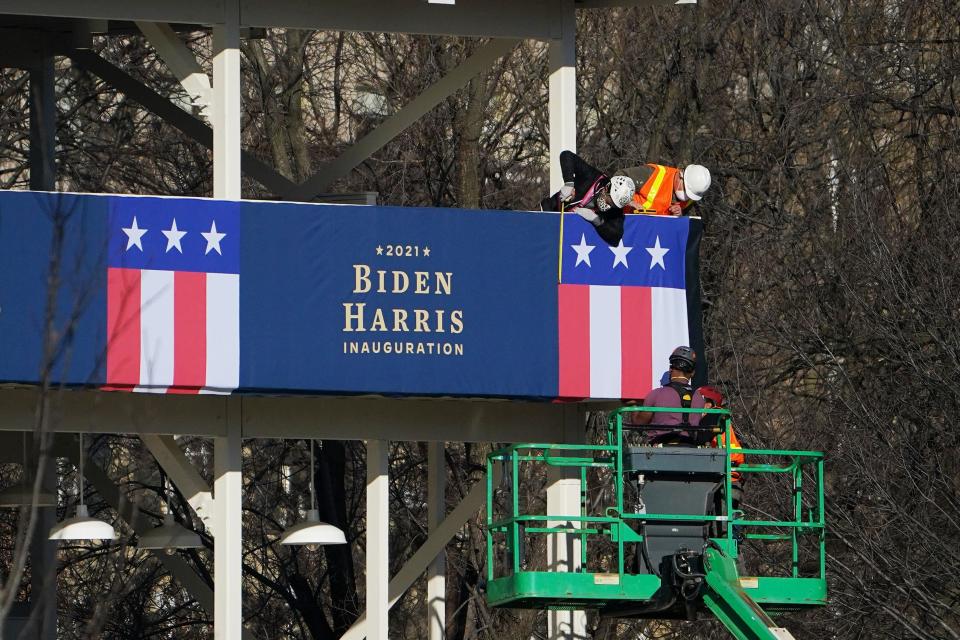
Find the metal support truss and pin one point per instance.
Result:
(181, 62)
(184, 476)
(473, 502)
(189, 125)
(393, 126)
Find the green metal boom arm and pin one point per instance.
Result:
(730, 603)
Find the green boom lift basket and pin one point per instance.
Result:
(656, 533)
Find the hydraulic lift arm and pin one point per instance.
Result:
(730, 603)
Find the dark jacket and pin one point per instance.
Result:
(583, 176)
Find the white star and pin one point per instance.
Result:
(134, 234)
(174, 236)
(620, 252)
(656, 254)
(583, 250)
(213, 238)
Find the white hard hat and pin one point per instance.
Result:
(696, 181)
(621, 190)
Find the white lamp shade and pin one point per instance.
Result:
(20, 496)
(170, 535)
(82, 527)
(313, 531)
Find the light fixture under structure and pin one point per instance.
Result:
(170, 535)
(313, 532)
(82, 526)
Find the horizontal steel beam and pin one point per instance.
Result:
(490, 18)
(182, 11)
(337, 418)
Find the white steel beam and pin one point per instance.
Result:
(378, 539)
(226, 104)
(393, 126)
(184, 476)
(563, 550)
(228, 527)
(436, 570)
(434, 544)
(563, 92)
(180, 60)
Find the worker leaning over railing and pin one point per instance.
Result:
(666, 191)
(593, 195)
(603, 201)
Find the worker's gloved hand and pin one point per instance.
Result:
(567, 192)
(589, 215)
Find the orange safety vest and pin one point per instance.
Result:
(656, 194)
(736, 459)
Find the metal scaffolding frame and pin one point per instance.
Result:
(38, 31)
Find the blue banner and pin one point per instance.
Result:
(187, 295)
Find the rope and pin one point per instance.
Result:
(560, 247)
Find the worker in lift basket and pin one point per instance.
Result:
(592, 195)
(714, 399)
(666, 191)
(677, 392)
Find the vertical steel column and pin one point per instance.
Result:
(43, 177)
(563, 91)
(563, 550)
(227, 530)
(226, 104)
(43, 556)
(228, 476)
(378, 536)
(437, 570)
(43, 125)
